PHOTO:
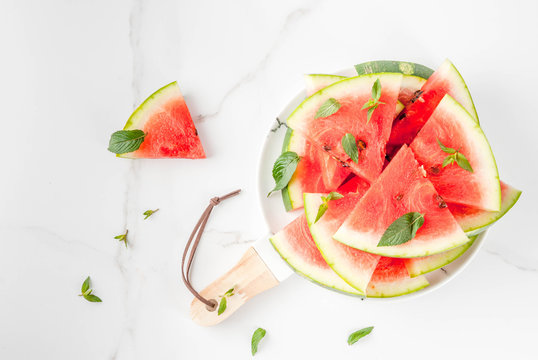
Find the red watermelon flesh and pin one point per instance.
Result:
(327, 132)
(401, 188)
(452, 125)
(170, 131)
(315, 161)
(445, 80)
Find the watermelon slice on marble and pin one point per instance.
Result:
(455, 128)
(445, 80)
(401, 188)
(167, 122)
(327, 132)
(474, 221)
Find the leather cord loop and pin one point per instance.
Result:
(196, 235)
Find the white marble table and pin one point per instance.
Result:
(72, 71)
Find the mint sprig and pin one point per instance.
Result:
(258, 334)
(126, 141)
(148, 213)
(350, 147)
(86, 291)
(355, 336)
(402, 229)
(223, 302)
(455, 156)
(374, 102)
(325, 203)
(283, 170)
(329, 107)
(122, 237)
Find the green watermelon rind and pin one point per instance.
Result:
(343, 287)
(404, 287)
(471, 109)
(153, 101)
(326, 79)
(286, 195)
(406, 68)
(483, 222)
(417, 267)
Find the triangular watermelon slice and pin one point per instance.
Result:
(452, 125)
(296, 246)
(170, 132)
(401, 188)
(327, 132)
(445, 80)
(474, 221)
(354, 266)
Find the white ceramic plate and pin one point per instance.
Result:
(276, 216)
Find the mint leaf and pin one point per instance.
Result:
(256, 337)
(370, 112)
(85, 285)
(463, 163)
(368, 104)
(455, 156)
(354, 337)
(122, 237)
(86, 291)
(350, 147)
(374, 102)
(333, 195)
(92, 298)
(230, 292)
(328, 108)
(148, 213)
(125, 141)
(321, 210)
(448, 160)
(376, 90)
(283, 170)
(445, 149)
(222, 305)
(402, 229)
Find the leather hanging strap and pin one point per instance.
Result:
(196, 235)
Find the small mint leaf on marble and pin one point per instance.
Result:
(122, 237)
(86, 291)
(355, 336)
(148, 213)
(257, 336)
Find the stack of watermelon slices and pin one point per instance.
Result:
(399, 170)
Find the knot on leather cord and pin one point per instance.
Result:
(196, 235)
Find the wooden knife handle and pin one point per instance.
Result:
(249, 277)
